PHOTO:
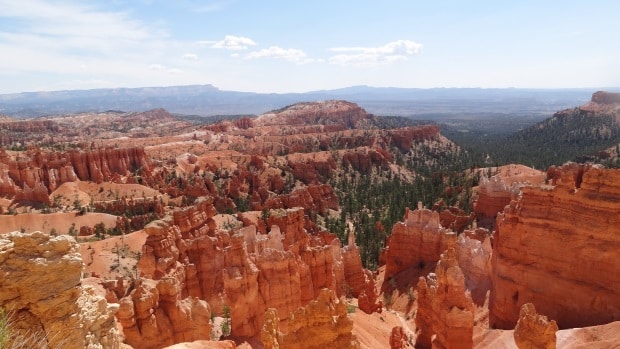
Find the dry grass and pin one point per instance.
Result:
(12, 337)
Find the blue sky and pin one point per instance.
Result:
(299, 46)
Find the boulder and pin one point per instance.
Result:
(63, 313)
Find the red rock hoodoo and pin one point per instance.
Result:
(417, 241)
(534, 331)
(186, 261)
(445, 308)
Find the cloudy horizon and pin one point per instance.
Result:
(298, 47)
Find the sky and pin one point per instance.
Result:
(278, 46)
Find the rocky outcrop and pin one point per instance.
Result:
(603, 97)
(556, 247)
(314, 198)
(404, 138)
(188, 259)
(168, 305)
(40, 284)
(493, 195)
(32, 175)
(343, 114)
(398, 338)
(364, 160)
(323, 323)
(453, 218)
(445, 308)
(360, 281)
(154, 316)
(417, 241)
(602, 103)
(534, 331)
(474, 257)
(29, 126)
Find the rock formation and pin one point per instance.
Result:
(445, 308)
(187, 259)
(417, 241)
(603, 97)
(314, 198)
(32, 175)
(493, 195)
(602, 102)
(40, 284)
(556, 247)
(474, 258)
(398, 338)
(403, 138)
(155, 316)
(359, 280)
(534, 331)
(344, 115)
(323, 323)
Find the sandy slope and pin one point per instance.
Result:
(114, 256)
(60, 221)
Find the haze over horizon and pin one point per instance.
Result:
(277, 47)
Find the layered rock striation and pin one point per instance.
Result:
(32, 175)
(41, 287)
(417, 241)
(493, 195)
(556, 247)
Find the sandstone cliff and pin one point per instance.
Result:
(40, 284)
(496, 192)
(603, 102)
(342, 114)
(493, 195)
(474, 251)
(32, 175)
(556, 247)
(417, 241)
(445, 308)
(323, 323)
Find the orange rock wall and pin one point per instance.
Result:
(493, 196)
(33, 174)
(557, 248)
(418, 240)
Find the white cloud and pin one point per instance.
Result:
(190, 56)
(56, 38)
(231, 42)
(391, 52)
(174, 71)
(291, 54)
(156, 67)
(71, 26)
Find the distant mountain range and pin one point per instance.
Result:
(207, 100)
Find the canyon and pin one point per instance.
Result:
(154, 232)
